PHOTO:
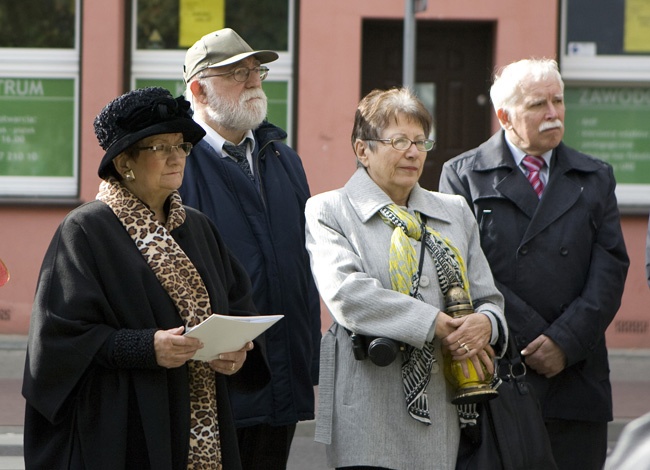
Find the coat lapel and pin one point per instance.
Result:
(367, 198)
(559, 196)
(494, 155)
(562, 191)
(516, 187)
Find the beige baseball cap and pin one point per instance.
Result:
(220, 48)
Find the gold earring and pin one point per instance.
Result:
(128, 175)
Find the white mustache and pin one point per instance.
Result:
(252, 93)
(546, 125)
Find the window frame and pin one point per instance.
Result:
(168, 64)
(610, 68)
(43, 64)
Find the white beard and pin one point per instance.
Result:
(243, 115)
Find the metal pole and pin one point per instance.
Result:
(408, 65)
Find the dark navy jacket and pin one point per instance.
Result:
(265, 230)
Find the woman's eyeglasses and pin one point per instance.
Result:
(402, 143)
(166, 150)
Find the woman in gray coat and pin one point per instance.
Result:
(365, 242)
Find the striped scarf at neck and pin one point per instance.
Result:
(405, 278)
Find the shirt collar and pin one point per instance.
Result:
(519, 154)
(216, 141)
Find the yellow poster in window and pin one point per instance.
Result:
(637, 26)
(198, 18)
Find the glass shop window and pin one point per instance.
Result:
(173, 24)
(39, 99)
(38, 24)
(162, 30)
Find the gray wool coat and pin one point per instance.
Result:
(362, 415)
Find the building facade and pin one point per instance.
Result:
(331, 54)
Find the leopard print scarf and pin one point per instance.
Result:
(181, 280)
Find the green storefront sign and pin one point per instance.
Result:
(613, 124)
(37, 137)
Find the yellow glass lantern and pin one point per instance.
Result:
(467, 389)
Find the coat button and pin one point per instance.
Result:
(424, 281)
(523, 250)
(564, 251)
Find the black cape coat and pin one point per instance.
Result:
(83, 411)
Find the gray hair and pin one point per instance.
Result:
(199, 77)
(506, 92)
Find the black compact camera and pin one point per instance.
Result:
(381, 351)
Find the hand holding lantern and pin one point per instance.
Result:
(467, 389)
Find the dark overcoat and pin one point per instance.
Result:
(560, 263)
(86, 410)
(265, 230)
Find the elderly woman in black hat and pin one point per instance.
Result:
(109, 380)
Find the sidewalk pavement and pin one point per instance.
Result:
(630, 377)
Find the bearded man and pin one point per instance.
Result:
(253, 187)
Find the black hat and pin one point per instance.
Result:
(138, 114)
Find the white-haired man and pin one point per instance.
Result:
(550, 229)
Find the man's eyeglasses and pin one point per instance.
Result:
(166, 150)
(241, 74)
(402, 143)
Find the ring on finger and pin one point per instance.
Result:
(232, 367)
(466, 348)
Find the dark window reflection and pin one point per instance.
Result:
(263, 24)
(37, 23)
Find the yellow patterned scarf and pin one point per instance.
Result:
(405, 278)
(179, 277)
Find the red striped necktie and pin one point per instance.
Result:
(534, 165)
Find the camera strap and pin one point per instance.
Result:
(423, 238)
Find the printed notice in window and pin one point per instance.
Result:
(637, 26)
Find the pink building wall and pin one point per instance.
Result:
(26, 230)
(330, 65)
(328, 91)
